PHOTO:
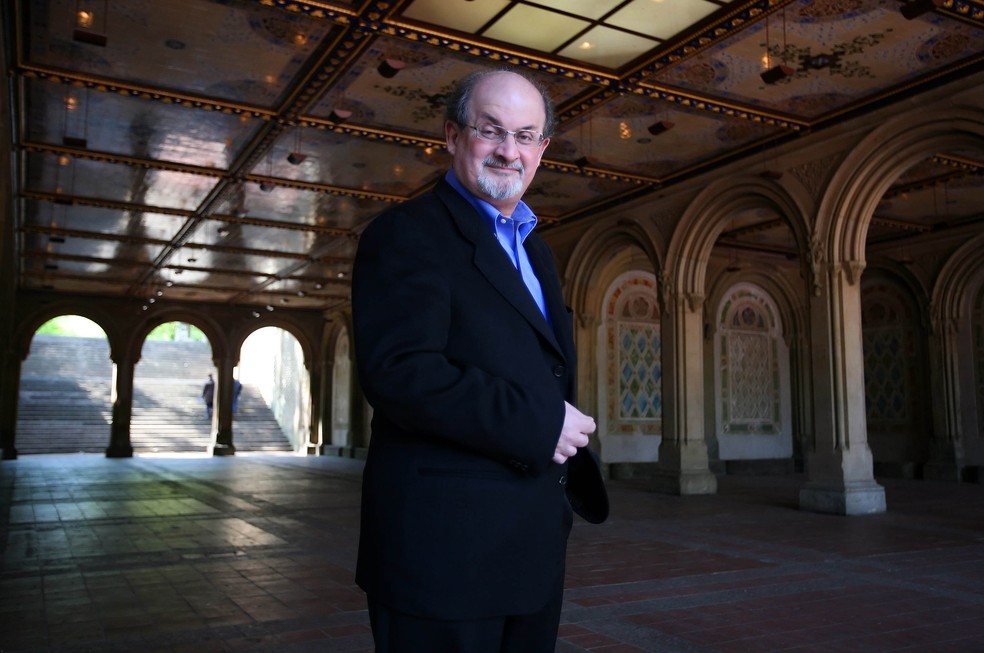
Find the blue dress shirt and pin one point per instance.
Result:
(510, 232)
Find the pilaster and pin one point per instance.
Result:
(683, 462)
(839, 462)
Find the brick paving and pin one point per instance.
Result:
(256, 553)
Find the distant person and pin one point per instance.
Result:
(237, 387)
(208, 395)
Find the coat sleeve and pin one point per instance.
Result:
(406, 303)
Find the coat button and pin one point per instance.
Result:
(563, 480)
(559, 371)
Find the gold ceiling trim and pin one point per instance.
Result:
(133, 162)
(693, 45)
(277, 224)
(732, 110)
(93, 235)
(900, 225)
(62, 198)
(325, 188)
(168, 97)
(484, 50)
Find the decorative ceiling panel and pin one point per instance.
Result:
(841, 52)
(234, 51)
(151, 145)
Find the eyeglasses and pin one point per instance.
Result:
(497, 134)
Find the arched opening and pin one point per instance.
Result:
(752, 382)
(276, 393)
(66, 386)
(341, 393)
(630, 374)
(895, 374)
(170, 411)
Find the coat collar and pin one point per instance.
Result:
(493, 263)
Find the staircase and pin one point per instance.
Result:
(64, 404)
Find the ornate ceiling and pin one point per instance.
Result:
(231, 150)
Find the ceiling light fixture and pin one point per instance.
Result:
(296, 158)
(389, 67)
(339, 115)
(85, 25)
(775, 74)
(917, 8)
(660, 127)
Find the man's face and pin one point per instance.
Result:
(498, 172)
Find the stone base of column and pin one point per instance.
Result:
(865, 498)
(223, 450)
(684, 483)
(119, 451)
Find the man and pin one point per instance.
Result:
(208, 395)
(465, 350)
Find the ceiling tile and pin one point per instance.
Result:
(462, 15)
(604, 46)
(661, 18)
(593, 9)
(535, 28)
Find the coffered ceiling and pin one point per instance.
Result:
(231, 150)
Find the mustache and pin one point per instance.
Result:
(494, 161)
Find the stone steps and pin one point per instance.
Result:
(64, 401)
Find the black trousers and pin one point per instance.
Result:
(398, 632)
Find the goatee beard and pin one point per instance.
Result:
(497, 189)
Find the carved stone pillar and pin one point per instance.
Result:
(10, 369)
(946, 456)
(683, 463)
(316, 397)
(223, 409)
(839, 462)
(122, 398)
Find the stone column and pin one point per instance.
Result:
(10, 369)
(683, 464)
(946, 455)
(316, 401)
(838, 461)
(119, 435)
(222, 419)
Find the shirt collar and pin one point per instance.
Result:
(523, 215)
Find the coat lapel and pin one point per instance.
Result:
(493, 263)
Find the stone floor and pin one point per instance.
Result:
(255, 553)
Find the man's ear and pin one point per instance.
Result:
(451, 135)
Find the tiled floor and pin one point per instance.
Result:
(255, 553)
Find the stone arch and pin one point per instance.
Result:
(875, 163)
(787, 298)
(239, 336)
(212, 330)
(957, 417)
(340, 366)
(24, 332)
(598, 244)
(695, 235)
(952, 296)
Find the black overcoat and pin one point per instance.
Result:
(464, 514)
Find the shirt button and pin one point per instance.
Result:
(559, 371)
(502, 220)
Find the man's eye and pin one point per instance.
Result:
(490, 133)
(525, 138)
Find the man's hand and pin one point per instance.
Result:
(574, 434)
